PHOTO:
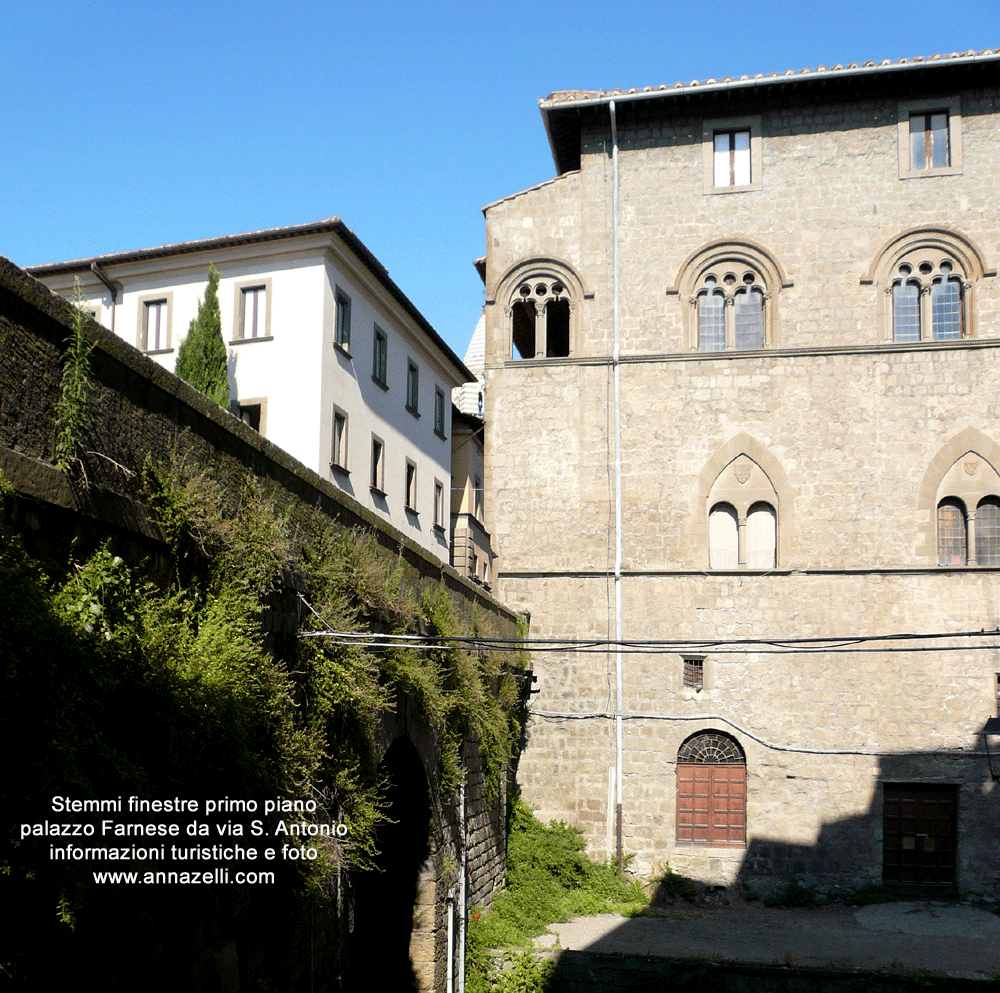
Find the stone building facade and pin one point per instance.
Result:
(742, 358)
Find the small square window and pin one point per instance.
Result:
(155, 330)
(438, 504)
(412, 387)
(380, 357)
(338, 448)
(252, 411)
(342, 329)
(439, 411)
(694, 671)
(250, 415)
(253, 312)
(378, 465)
(411, 486)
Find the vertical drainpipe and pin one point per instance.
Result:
(463, 870)
(618, 490)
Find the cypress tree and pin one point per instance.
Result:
(201, 358)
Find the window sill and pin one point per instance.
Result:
(930, 173)
(714, 190)
(341, 470)
(410, 510)
(380, 384)
(441, 434)
(344, 350)
(158, 351)
(439, 528)
(413, 411)
(376, 491)
(249, 341)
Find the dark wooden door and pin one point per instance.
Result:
(918, 834)
(711, 804)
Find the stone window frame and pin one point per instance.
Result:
(952, 106)
(376, 477)
(968, 488)
(341, 319)
(239, 302)
(440, 416)
(719, 260)
(410, 486)
(742, 497)
(533, 272)
(438, 505)
(339, 446)
(412, 387)
(261, 404)
(930, 246)
(142, 330)
(380, 358)
(710, 128)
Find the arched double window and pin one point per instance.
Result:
(968, 513)
(542, 297)
(711, 791)
(928, 277)
(732, 291)
(742, 519)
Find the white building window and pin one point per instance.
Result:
(155, 328)
(411, 486)
(731, 158)
(253, 323)
(338, 448)
(342, 329)
(378, 465)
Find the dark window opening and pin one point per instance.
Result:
(557, 328)
(250, 415)
(524, 329)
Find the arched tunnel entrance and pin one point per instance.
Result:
(392, 944)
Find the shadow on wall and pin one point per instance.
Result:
(384, 897)
(932, 828)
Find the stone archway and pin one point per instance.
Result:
(393, 937)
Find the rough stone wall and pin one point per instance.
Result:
(136, 412)
(851, 431)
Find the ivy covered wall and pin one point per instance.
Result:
(157, 593)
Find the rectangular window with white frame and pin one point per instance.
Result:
(342, 321)
(378, 465)
(338, 446)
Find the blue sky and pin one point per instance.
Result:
(131, 124)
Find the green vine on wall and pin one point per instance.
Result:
(70, 407)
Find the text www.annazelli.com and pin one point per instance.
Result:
(216, 877)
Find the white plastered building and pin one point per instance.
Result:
(328, 358)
